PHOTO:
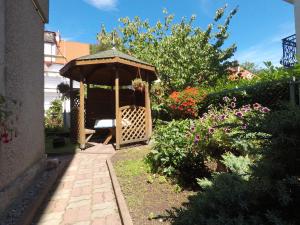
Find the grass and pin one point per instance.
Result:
(69, 148)
(148, 196)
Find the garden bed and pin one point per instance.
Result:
(149, 197)
(68, 148)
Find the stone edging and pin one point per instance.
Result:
(123, 210)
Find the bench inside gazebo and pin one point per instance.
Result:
(106, 98)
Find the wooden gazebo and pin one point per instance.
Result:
(114, 71)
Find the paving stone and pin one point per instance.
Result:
(105, 205)
(113, 219)
(78, 204)
(84, 194)
(82, 223)
(51, 216)
(80, 214)
(102, 213)
(68, 178)
(80, 198)
(99, 221)
(51, 222)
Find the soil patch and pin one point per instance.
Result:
(150, 197)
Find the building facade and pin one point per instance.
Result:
(21, 65)
(296, 4)
(289, 44)
(57, 53)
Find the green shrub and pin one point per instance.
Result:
(54, 115)
(270, 93)
(171, 147)
(190, 149)
(269, 194)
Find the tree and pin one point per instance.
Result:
(105, 40)
(184, 54)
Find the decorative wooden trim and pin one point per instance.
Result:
(115, 60)
(81, 116)
(148, 108)
(133, 127)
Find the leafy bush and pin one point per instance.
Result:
(268, 194)
(269, 87)
(171, 46)
(171, 147)
(189, 149)
(54, 115)
(271, 93)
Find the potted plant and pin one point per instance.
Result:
(138, 84)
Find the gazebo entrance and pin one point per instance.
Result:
(106, 99)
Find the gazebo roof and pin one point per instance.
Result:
(99, 68)
(112, 53)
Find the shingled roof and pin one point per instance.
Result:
(99, 68)
(111, 53)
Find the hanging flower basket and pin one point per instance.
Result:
(138, 84)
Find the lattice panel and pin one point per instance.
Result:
(133, 124)
(74, 123)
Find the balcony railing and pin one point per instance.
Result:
(289, 51)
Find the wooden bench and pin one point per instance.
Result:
(90, 133)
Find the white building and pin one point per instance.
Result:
(290, 47)
(296, 4)
(57, 53)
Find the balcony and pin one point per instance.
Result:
(289, 51)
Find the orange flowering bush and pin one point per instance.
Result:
(185, 103)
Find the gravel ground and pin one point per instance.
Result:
(17, 210)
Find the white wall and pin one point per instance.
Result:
(23, 158)
(50, 50)
(297, 22)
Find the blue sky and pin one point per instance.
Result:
(257, 29)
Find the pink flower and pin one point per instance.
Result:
(197, 138)
(211, 130)
(265, 110)
(227, 130)
(256, 105)
(239, 114)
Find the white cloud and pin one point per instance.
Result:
(270, 49)
(103, 4)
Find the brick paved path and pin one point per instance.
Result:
(84, 195)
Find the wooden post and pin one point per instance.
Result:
(73, 134)
(117, 105)
(81, 116)
(148, 110)
(292, 91)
